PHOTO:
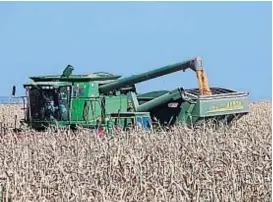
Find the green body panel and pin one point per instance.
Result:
(93, 89)
(221, 105)
(87, 110)
(185, 115)
(115, 104)
(79, 102)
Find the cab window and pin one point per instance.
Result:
(146, 122)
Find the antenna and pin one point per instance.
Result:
(13, 91)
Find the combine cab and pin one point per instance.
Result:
(103, 100)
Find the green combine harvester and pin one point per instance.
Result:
(106, 101)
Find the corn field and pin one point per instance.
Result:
(224, 164)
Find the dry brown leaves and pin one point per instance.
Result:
(8, 113)
(182, 165)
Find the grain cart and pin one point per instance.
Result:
(103, 100)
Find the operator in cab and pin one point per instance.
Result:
(50, 110)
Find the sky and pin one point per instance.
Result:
(234, 40)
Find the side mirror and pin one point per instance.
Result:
(13, 90)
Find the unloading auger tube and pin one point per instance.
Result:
(194, 64)
(163, 99)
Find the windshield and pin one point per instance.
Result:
(144, 122)
(48, 103)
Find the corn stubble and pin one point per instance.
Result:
(227, 164)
